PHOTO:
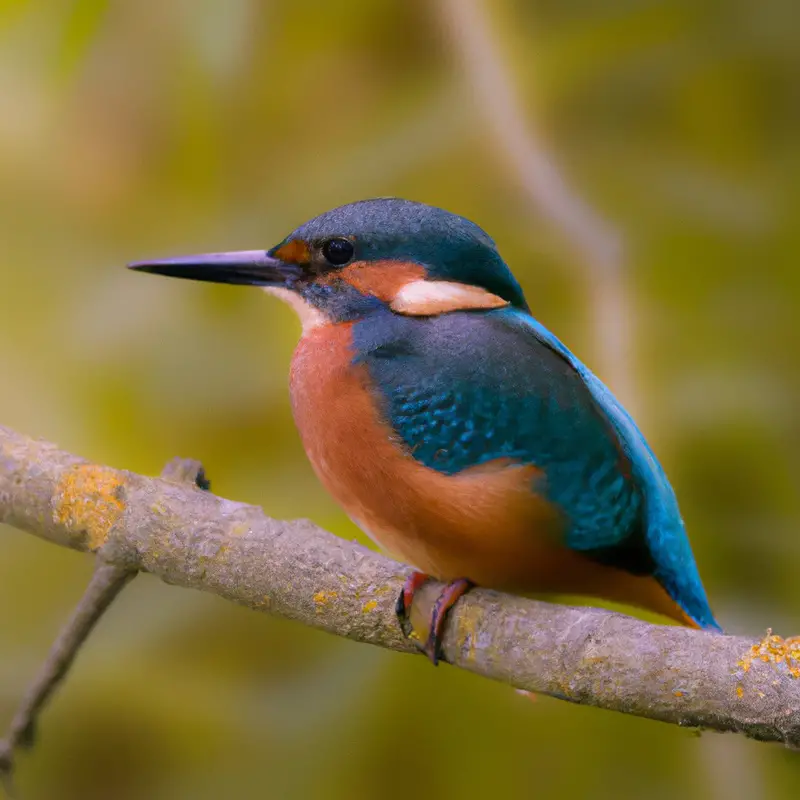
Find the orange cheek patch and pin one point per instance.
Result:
(294, 252)
(406, 288)
(382, 279)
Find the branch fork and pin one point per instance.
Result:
(188, 537)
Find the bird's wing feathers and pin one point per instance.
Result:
(666, 536)
(463, 389)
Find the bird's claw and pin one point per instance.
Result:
(406, 598)
(444, 602)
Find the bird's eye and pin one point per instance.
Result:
(338, 251)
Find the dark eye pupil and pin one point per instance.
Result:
(338, 251)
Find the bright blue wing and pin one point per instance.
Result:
(663, 525)
(465, 388)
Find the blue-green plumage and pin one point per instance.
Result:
(662, 525)
(460, 386)
(471, 387)
(401, 230)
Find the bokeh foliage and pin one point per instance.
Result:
(132, 129)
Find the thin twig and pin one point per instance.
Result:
(193, 539)
(107, 581)
(529, 164)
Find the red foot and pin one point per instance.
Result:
(446, 600)
(403, 608)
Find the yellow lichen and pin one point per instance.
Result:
(240, 529)
(776, 650)
(370, 605)
(469, 624)
(89, 499)
(321, 598)
(740, 691)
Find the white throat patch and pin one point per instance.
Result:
(310, 317)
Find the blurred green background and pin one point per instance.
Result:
(132, 129)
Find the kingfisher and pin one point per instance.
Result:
(452, 427)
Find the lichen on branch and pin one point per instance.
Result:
(191, 538)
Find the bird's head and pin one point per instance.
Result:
(415, 259)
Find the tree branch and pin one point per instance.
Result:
(108, 580)
(191, 538)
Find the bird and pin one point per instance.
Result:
(453, 428)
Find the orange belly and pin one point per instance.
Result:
(486, 523)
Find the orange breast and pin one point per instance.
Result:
(485, 523)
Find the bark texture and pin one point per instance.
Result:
(191, 538)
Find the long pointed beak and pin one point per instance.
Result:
(246, 267)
